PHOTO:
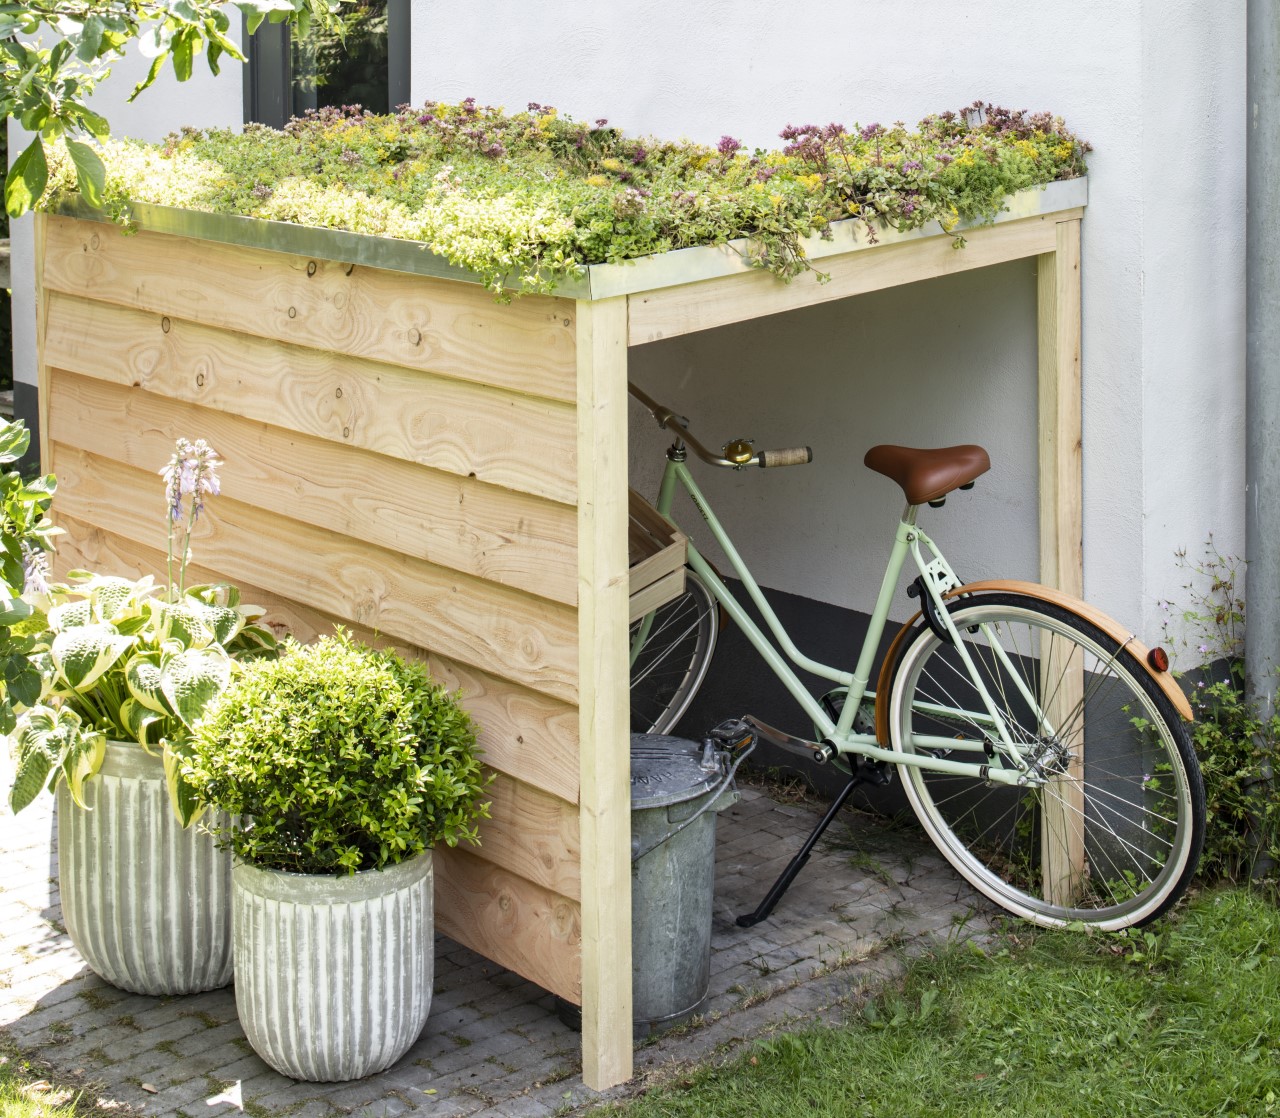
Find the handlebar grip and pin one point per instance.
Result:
(786, 456)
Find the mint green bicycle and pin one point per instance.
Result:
(1043, 748)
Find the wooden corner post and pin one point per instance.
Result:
(1062, 851)
(40, 226)
(604, 705)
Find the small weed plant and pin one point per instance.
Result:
(1236, 745)
(525, 199)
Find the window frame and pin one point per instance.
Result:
(268, 76)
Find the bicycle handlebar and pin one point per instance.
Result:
(744, 454)
(786, 456)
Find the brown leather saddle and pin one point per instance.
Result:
(928, 475)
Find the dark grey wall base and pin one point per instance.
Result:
(26, 407)
(739, 682)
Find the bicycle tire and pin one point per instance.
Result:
(670, 666)
(1134, 810)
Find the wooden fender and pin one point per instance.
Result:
(1113, 629)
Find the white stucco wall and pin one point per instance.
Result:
(1158, 88)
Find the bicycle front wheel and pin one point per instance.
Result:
(673, 656)
(1108, 829)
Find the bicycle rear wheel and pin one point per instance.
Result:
(672, 662)
(1110, 832)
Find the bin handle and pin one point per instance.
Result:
(720, 789)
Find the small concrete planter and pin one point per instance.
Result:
(146, 903)
(333, 974)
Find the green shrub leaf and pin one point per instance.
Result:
(27, 179)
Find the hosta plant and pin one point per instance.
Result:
(126, 660)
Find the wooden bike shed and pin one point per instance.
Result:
(411, 459)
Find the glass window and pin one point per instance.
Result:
(288, 75)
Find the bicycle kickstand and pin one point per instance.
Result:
(788, 875)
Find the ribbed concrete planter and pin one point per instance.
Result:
(333, 974)
(146, 903)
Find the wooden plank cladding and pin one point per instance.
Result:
(528, 736)
(400, 458)
(432, 325)
(512, 921)
(460, 523)
(528, 640)
(521, 442)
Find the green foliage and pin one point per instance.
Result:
(26, 535)
(47, 87)
(117, 662)
(114, 659)
(338, 758)
(1237, 747)
(526, 199)
(1039, 1023)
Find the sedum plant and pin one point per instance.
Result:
(526, 199)
(337, 758)
(125, 660)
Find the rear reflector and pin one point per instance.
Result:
(1158, 659)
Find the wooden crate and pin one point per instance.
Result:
(657, 555)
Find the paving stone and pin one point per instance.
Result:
(817, 955)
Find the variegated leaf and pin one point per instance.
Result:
(81, 655)
(70, 615)
(142, 674)
(44, 739)
(192, 678)
(83, 758)
(187, 805)
(177, 621)
(216, 594)
(223, 621)
(36, 756)
(254, 642)
(137, 720)
(110, 596)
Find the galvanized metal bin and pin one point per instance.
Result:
(677, 788)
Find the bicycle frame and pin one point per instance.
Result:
(938, 578)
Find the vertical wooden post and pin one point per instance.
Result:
(604, 705)
(42, 319)
(1061, 521)
(1062, 852)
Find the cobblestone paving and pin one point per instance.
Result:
(493, 1045)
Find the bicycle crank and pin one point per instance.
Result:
(813, 751)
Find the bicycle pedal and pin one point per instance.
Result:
(733, 735)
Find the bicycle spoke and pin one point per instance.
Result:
(1104, 832)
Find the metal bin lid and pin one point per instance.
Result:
(668, 770)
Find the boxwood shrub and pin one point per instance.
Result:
(338, 758)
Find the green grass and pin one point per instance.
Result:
(1180, 1019)
(24, 1093)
